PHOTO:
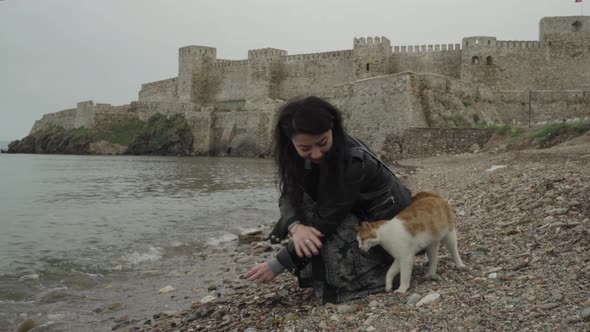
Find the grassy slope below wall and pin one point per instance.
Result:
(159, 136)
(163, 137)
(540, 137)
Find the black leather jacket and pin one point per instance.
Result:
(368, 189)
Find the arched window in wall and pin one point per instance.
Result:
(475, 60)
(489, 60)
(368, 66)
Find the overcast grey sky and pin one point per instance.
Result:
(54, 53)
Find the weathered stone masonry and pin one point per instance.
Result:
(382, 89)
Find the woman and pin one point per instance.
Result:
(329, 181)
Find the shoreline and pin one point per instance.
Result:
(523, 234)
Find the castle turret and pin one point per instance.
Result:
(371, 56)
(265, 73)
(478, 41)
(193, 65)
(565, 31)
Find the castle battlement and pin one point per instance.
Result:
(519, 44)
(198, 50)
(362, 41)
(273, 73)
(316, 56)
(426, 48)
(168, 81)
(229, 63)
(265, 52)
(87, 103)
(490, 42)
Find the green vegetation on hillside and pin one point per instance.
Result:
(122, 133)
(163, 136)
(547, 133)
(506, 130)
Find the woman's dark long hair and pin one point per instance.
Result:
(309, 115)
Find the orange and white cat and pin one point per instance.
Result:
(422, 225)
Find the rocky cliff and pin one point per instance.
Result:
(157, 136)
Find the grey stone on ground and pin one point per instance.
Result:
(413, 299)
(542, 283)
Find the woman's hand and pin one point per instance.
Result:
(307, 240)
(260, 273)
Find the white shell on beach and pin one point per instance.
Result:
(428, 299)
(166, 290)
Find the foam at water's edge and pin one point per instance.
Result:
(226, 237)
(153, 254)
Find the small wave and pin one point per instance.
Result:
(56, 294)
(33, 276)
(15, 302)
(92, 275)
(227, 237)
(153, 254)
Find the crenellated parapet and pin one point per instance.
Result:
(266, 72)
(426, 48)
(371, 56)
(519, 44)
(479, 41)
(229, 63)
(346, 54)
(85, 104)
(198, 51)
(266, 52)
(472, 43)
(371, 41)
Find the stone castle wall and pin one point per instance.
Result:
(164, 90)
(559, 60)
(370, 117)
(315, 74)
(234, 80)
(526, 65)
(109, 116)
(421, 142)
(87, 115)
(377, 107)
(63, 119)
(437, 59)
(524, 108)
(382, 90)
(200, 124)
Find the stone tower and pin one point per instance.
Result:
(477, 58)
(194, 64)
(265, 73)
(371, 56)
(565, 31)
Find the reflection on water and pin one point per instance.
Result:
(99, 212)
(171, 177)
